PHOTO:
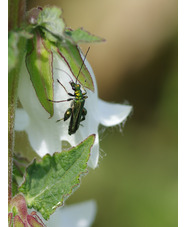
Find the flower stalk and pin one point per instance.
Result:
(12, 97)
(16, 15)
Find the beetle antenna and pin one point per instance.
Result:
(66, 73)
(82, 64)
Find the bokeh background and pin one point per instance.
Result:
(135, 184)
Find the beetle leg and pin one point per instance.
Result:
(71, 94)
(70, 99)
(67, 114)
(65, 89)
(84, 113)
(60, 119)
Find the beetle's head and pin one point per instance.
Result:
(75, 86)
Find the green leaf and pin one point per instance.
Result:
(50, 182)
(71, 54)
(82, 36)
(39, 64)
(52, 23)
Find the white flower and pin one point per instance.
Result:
(78, 215)
(45, 135)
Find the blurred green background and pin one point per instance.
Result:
(135, 184)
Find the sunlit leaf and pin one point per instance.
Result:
(81, 36)
(51, 21)
(71, 54)
(48, 183)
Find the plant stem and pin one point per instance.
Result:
(12, 99)
(16, 14)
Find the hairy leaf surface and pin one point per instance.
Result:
(48, 183)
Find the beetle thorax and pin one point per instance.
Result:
(78, 94)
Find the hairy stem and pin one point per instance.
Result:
(12, 99)
(16, 14)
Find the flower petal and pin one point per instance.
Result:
(21, 120)
(112, 114)
(78, 215)
(43, 139)
(94, 156)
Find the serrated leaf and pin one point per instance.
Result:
(71, 54)
(51, 21)
(39, 64)
(82, 36)
(48, 183)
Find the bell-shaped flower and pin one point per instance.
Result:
(44, 133)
